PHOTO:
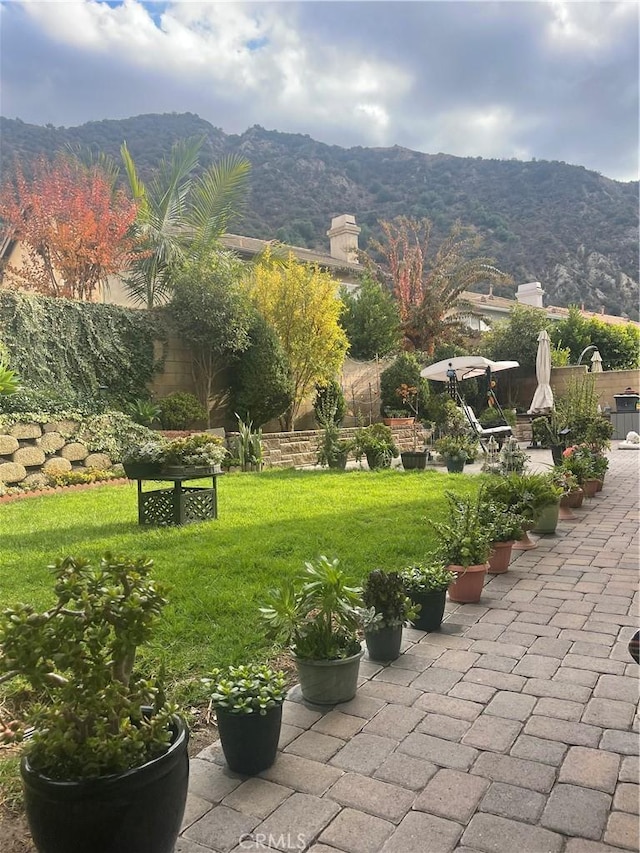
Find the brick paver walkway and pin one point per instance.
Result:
(512, 730)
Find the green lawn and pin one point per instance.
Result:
(218, 571)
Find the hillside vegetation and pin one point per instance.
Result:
(572, 229)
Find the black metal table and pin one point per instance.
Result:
(179, 504)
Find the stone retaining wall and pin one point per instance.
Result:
(299, 449)
(30, 451)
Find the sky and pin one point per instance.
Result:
(549, 80)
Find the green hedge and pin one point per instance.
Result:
(79, 351)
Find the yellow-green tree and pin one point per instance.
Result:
(302, 304)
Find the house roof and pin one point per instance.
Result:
(251, 246)
(502, 305)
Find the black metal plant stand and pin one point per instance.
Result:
(177, 505)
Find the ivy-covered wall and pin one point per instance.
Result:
(80, 351)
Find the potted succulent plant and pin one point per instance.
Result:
(377, 444)
(248, 704)
(332, 450)
(504, 528)
(144, 460)
(455, 450)
(318, 618)
(386, 609)
(426, 585)
(196, 454)
(464, 547)
(107, 767)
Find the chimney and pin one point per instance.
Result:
(343, 237)
(530, 294)
(602, 309)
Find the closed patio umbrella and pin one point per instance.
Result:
(596, 362)
(542, 402)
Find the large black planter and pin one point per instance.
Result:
(249, 741)
(384, 644)
(141, 470)
(454, 464)
(414, 459)
(378, 460)
(431, 611)
(556, 454)
(138, 811)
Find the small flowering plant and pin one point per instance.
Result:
(564, 479)
(148, 452)
(249, 689)
(196, 451)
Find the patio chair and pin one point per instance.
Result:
(498, 432)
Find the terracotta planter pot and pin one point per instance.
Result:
(590, 487)
(565, 513)
(525, 544)
(397, 421)
(500, 557)
(600, 485)
(573, 500)
(467, 588)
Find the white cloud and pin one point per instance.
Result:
(554, 79)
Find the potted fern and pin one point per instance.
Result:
(107, 767)
(318, 617)
(464, 547)
(386, 609)
(248, 704)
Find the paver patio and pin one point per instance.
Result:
(514, 729)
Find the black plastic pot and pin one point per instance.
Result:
(249, 741)
(414, 459)
(556, 454)
(431, 611)
(376, 460)
(454, 464)
(140, 470)
(384, 644)
(138, 811)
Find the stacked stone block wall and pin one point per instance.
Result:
(30, 451)
(299, 449)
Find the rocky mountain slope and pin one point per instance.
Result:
(572, 229)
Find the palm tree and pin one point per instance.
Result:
(429, 289)
(181, 215)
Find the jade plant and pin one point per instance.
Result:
(248, 689)
(386, 604)
(79, 659)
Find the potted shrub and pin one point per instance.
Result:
(248, 704)
(412, 459)
(551, 431)
(426, 585)
(107, 767)
(386, 609)
(318, 618)
(332, 450)
(377, 444)
(527, 495)
(464, 547)
(585, 465)
(397, 417)
(504, 528)
(197, 454)
(545, 496)
(455, 451)
(404, 372)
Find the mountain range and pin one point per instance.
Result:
(572, 229)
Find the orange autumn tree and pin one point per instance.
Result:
(74, 227)
(427, 285)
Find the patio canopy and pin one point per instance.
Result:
(465, 367)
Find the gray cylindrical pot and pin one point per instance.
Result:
(328, 682)
(547, 519)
